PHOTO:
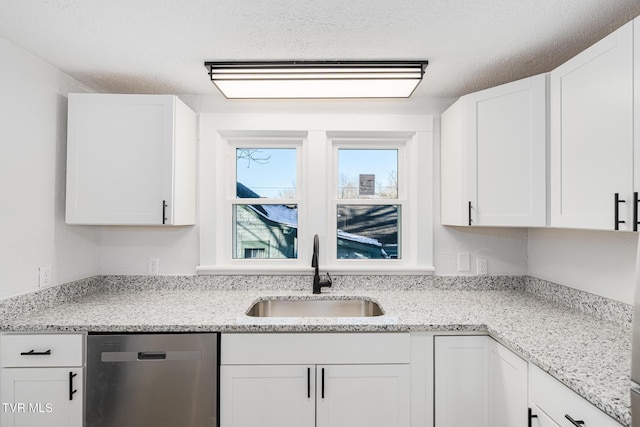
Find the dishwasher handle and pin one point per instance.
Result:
(152, 355)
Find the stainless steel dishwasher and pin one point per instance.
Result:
(159, 380)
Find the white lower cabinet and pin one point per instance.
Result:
(363, 395)
(553, 404)
(41, 380)
(267, 395)
(508, 383)
(297, 395)
(42, 397)
(461, 381)
(478, 382)
(323, 380)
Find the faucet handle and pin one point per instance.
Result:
(329, 281)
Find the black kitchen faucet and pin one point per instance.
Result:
(317, 283)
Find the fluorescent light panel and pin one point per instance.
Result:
(270, 80)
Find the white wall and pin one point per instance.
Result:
(599, 262)
(126, 250)
(33, 138)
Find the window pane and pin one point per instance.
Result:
(367, 174)
(266, 172)
(265, 231)
(368, 232)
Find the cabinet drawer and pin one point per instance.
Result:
(315, 348)
(35, 350)
(557, 400)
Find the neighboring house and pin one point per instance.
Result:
(264, 231)
(271, 231)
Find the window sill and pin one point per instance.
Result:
(333, 270)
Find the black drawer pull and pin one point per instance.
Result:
(71, 390)
(577, 423)
(308, 383)
(36, 353)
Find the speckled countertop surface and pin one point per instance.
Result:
(589, 355)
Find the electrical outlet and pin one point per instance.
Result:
(44, 276)
(463, 261)
(483, 266)
(154, 266)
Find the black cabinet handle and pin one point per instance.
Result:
(530, 418)
(308, 383)
(164, 211)
(635, 211)
(616, 210)
(322, 393)
(36, 353)
(71, 390)
(577, 423)
(470, 220)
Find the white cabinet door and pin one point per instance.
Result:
(131, 159)
(494, 156)
(508, 387)
(507, 134)
(363, 395)
(461, 381)
(41, 397)
(479, 382)
(591, 141)
(267, 395)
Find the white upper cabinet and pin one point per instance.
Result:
(493, 159)
(591, 136)
(131, 160)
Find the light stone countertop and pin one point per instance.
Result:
(589, 355)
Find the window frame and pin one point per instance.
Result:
(371, 143)
(318, 137)
(232, 144)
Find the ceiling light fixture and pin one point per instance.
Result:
(316, 79)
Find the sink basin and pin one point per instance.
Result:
(356, 307)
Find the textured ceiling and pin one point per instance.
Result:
(159, 46)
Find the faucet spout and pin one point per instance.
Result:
(318, 284)
(316, 248)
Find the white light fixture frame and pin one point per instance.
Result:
(316, 79)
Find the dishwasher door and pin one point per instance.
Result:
(159, 380)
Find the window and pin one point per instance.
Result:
(269, 183)
(255, 252)
(368, 211)
(265, 173)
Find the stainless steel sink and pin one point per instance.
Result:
(356, 307)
